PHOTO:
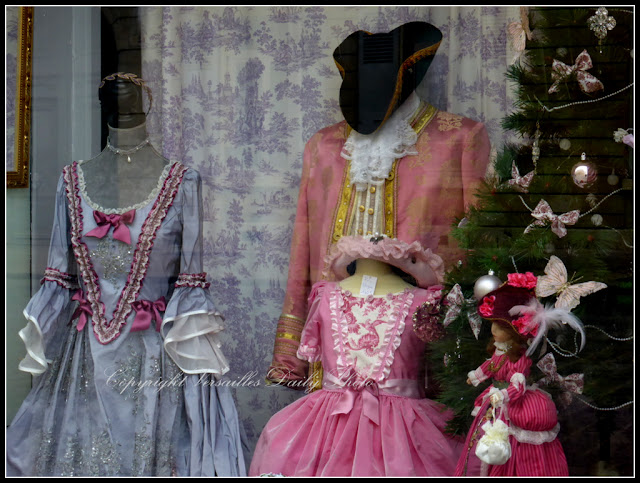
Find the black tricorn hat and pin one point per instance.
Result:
(379, 71)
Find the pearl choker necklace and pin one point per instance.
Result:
(127, 152)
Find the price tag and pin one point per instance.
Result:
(368, 286)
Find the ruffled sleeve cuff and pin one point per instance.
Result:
(477, 376)
(191, 330)
(49, 306)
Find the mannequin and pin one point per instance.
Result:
(123, 331)
(371, 91)
(127, 171)
(396, 166)
(386, 280)
(370, 417)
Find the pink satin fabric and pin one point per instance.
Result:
(386, 428)
(370, 394)
(118, 222)
(83, 312)
(146, 311)
(432, 188)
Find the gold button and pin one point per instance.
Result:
(359, 231)
(361, 207)
(369, 233)
(371, 211)
(372, 189)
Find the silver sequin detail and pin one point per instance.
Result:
(115, 257)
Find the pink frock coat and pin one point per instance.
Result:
(424, 196)
(370, 418)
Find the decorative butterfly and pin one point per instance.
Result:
(519, 32)
(521, 182)
(556, 282)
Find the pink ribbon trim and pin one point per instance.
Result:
(83, 312)
(118, 222)
(146, 311)
(370, 392)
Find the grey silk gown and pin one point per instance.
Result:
(122, 337)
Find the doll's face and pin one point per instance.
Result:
(500, 334)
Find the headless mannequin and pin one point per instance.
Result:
(120, 181)
(387, 281)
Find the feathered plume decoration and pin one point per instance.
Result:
(538, 320)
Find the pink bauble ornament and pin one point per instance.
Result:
(584, 173)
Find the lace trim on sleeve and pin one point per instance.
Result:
(193, 280)
(65, 280)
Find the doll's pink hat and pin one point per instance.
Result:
(421, 263)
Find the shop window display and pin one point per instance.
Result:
(289, 157)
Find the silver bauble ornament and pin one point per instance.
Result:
(565, 144)
(485, 284)
(613, 178)
(584, 173)
(596, 219)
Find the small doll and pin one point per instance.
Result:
(516, 426)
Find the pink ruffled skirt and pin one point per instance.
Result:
(308, 438)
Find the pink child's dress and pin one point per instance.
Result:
(370, 418)
(530, 414)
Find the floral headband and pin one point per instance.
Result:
(133, 78)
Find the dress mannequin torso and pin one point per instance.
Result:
(387, 282)
(118, 181)
(129, 170)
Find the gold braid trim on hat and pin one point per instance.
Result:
(413, 59)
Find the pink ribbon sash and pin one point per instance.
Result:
(83, 313)
(370, 392)
(118, 222)
(146, 311)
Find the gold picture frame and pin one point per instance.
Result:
(19, 38)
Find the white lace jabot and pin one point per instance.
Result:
(372, 155)
(502, 347)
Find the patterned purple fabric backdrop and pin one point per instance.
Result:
(237, 91)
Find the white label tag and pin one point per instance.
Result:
(368, 286)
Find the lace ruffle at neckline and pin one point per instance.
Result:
(119, 211)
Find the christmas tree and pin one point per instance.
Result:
(560, 194)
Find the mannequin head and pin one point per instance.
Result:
(121, 98)
(380, 71)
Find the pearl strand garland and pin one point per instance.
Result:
(583, 102)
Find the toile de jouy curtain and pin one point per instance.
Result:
(237, 92)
